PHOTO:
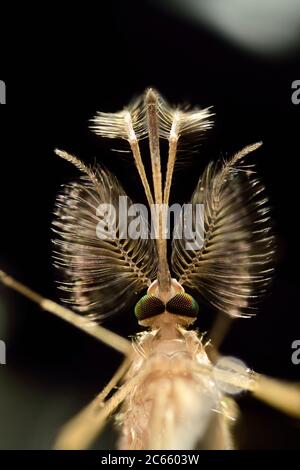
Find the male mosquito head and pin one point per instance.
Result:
(155, 309)
(230, 269)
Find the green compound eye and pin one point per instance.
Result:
(148, 306)
(183, 304)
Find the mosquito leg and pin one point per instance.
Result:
(81, 431)
(218, 332)
(218, 435)
(283, 396)
(106, 336)
(225, 436)
(120, 372)
(279, 394)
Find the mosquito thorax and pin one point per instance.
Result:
(157, 309)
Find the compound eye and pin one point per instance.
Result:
(183, 304)
(149, 306)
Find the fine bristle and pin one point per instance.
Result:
(118, 125)
(190, 122)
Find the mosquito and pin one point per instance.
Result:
(173, 389)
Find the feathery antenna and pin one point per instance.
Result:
(175, 122)
(128, 124)
(78, 164)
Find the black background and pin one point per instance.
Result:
(62, 68)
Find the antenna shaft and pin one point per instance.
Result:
(160, 222)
